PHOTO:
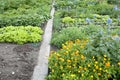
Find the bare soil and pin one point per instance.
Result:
(17, 62)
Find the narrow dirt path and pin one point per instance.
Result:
(41, 69)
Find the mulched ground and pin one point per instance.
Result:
(17, 62)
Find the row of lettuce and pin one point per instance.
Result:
(87, 35)
(18, 19)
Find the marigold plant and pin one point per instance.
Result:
(71, 63)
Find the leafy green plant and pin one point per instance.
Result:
(113, 1)
(69, 33)
(102, 44)
(24, 12)
(20, 34)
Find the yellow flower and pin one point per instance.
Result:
(70, 42)
(94, 70)
(99, 74)
(85, 68)
(105, 56)
(67, 48)
(72, 75)
(96, 62)
(105, 59)
(64, 47)
(96, 67)
(74, 65)
(76, 59)
(61, 59)
(79, 71)
(80, 68)
(88, 65)
(82, 57)
(105, 70)
(107, 64)
(63, 74)
(69, 61)
(66, 51)
(100, 69)
(58, 55)
(81, 46)
(91, 76)
(52, 70)
(77, 41)
(82, 75)
(68, 66)
(119, 63)
(77, 52)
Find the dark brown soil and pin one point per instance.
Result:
(17, 61)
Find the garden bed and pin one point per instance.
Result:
(17, 61)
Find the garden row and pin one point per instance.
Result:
(87, 35)
(21, 17)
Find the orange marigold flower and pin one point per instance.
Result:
(99, 74)
(61, 59)
(82, 46)
(64, 47)
(96, 67)
(85, 68)
(77, 41)
(69, 61)
(107, 64)
(82, 57)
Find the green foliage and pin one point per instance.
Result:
(18, 20)
(69, 33)
(113, 2)
(68, 20)
(20, 34)
(102, 44)
(72, 33)
(24, 12)
(102, 9)
(57, 22)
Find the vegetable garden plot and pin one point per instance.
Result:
(24, 12)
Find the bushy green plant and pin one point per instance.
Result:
(20, 34)
(71, 63)
(24, 12)
(19, 20)
(113, 1)
(69, 33)
(102, 44)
